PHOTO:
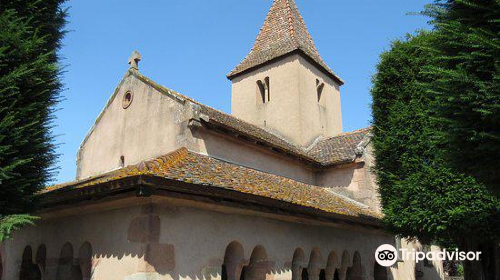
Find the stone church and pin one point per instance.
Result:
(171, 189)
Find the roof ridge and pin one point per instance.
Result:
(290, 22)
(349, 133)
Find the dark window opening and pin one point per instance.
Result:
(127, 99)
(243, 272)
(268, 88)
(336, 275)
(263, 92)
(305, 274)
(322, 275)
(319, 88)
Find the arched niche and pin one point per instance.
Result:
(85, 260)
(331, 265)
(298, 264)
(234, 258)
(41, 258)
(345, 262)
(29, 270)
(258, 266)
(68, 268)
(315, 264)
(356, 271)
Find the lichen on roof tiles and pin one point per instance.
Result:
(185, 166)
(284, 31)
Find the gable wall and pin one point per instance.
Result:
(150, 127)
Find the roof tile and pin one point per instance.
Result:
(284, 31)
(185, 166)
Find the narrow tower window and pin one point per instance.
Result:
(122, 161)
(319, 88)
(263, 92)
(268, 89)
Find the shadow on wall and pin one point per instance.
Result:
(234, 265)
(230, 263)
(69, 266)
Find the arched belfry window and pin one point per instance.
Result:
(319, 88)
(263, 90)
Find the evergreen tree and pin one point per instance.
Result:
(465, 78)
(422, 195)
(30, 35)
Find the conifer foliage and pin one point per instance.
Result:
(465, 79)
(30, 35)
(436, 112)
(421, 195)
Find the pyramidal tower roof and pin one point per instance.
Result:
(284, 32)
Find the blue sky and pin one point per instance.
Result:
(190, 45)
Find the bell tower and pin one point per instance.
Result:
(283, 84)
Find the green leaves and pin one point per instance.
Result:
(8, 224)
(422, 194)
(30, 34)
(465, 82)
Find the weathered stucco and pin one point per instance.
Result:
(164, 238)
(293, 109)
(154, 124)
(355, 180)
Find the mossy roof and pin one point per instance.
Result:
(188, 167)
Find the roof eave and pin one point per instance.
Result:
(147, 185)
(232, 75)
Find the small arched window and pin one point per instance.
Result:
(263, 90)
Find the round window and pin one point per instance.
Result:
(127, 99)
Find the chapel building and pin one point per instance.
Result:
(170, 189)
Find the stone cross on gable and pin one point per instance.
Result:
(134, 60)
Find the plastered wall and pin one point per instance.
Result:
(293, 110)
(153, 125)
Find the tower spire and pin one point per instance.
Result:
(283, 32)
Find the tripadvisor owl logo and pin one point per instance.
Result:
(386, 255)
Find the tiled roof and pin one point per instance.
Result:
(284, 31)
(192, 168)
(333, 150)
(342, 148)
